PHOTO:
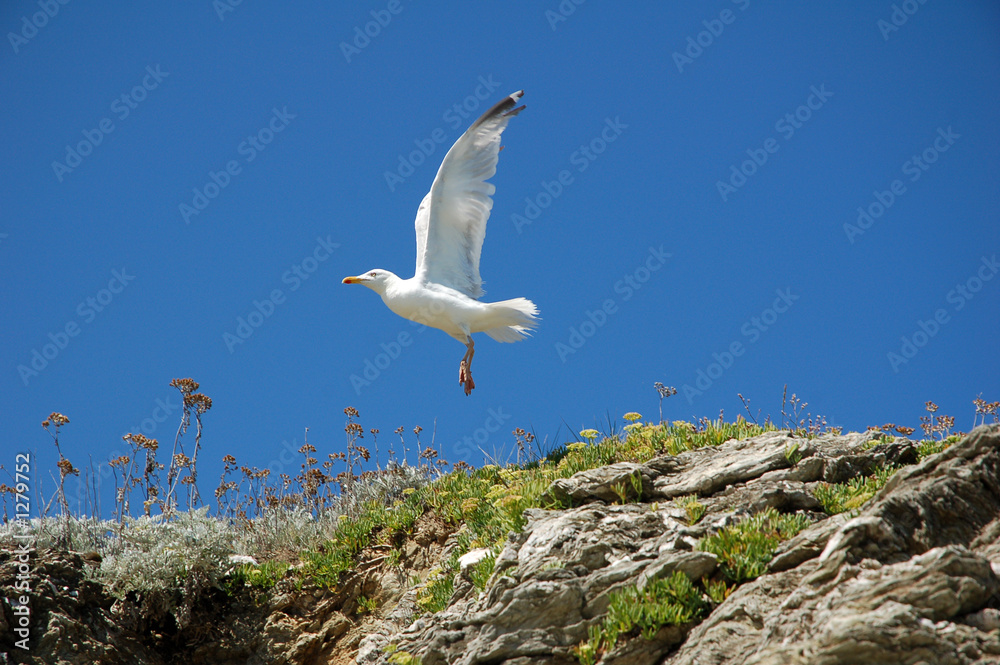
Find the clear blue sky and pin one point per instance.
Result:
(694, 168)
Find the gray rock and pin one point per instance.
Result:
(708, 470)
(693, 564)
(908, 578)
(905, 581)
(560, 573)
(602, 484)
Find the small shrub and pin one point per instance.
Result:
(717, 590)
(695, 509)
(437, 591)
(366, 604)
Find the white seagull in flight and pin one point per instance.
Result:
(444, 292)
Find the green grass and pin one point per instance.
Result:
(837, 498)
(480, 573)
(440, 585)
(745, 549)
(673, 600)
(841, 497)
(264, 576)
(929, 447)
(403, 658)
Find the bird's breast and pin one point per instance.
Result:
(424, 306)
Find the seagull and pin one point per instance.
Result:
(445, 289)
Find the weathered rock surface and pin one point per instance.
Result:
(909, 579)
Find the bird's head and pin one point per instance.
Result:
(377, 280)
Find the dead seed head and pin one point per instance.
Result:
(186, 386)
(56, 419)
(199, 401)
(140, 441)
(120, 461)
(66, 468)
(664, 391)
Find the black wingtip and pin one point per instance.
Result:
(505, 107)
(514, 98)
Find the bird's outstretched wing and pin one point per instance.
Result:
(451, 220)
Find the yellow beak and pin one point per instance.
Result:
(351, 280)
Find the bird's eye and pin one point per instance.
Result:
(373, 274)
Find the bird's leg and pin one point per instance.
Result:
(465, 367)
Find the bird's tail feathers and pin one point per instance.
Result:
(521, 317)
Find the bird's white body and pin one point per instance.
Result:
(445, 289)
(454, 312)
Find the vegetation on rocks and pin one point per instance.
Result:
(166, 550)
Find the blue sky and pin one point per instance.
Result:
(726, 196)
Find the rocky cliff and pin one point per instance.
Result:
(722, 554)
